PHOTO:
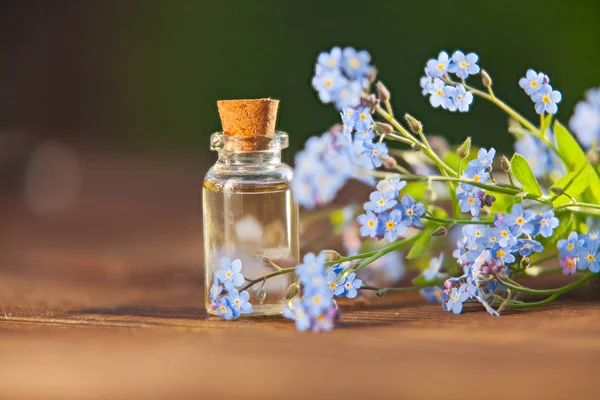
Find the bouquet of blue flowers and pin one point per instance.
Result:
(532, 213)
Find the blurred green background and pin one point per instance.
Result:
(136, 75)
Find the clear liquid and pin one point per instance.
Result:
(257, 219)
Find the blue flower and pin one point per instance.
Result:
(533, 81)
(519, 221)
(369, 224)
(349, 118)
(426, 83)
(304, 191)
(570, 246)
(477, 174)
(350, 286)
(381, 202)
(592, 237)
(229, 273)
(502, 254)
(435, 68)
(392, 225)
(528, 247)
(366, 136)
(459, 98)
(585, 122)
(462, 65)
(348, 95)
(484, 159)
(318, 301)
(589, 258)
(297, 312)
(546, 223)
(456, 299)
(324, 322)
(468, 201)
(439, 94)
(312, 265)
(215, 290)
(546, 100)
(394, 185)
(374, 151)
(239, 302)
(335, 283)
(359, 155)
(330, 61)
(412, 211)
(363, 119)
(356, 64)
(505, 235)
(224, 308)
(328, 84)
(433, 271)
(432, 294)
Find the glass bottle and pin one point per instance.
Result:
(248, 211)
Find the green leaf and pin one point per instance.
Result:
(573, 156)
(420, 246)
(524, 175)
(578, 186)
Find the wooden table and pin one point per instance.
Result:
(105, 301)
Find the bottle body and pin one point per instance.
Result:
(248, 210)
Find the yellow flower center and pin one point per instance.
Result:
(390, 225)
(410, 212)
(328, 83)
(478, 234)
(321, 318)
(520, 220)
(570, 246)
(371, 223)
(332, 285)
(223, 308)
(533, 84)
(440, 92)
(381, 202)
(504, 233)
(440, 67)
(590, 257)
(544, 222)
(354, 63)
(456, 297)
(571, 263)
(471, 200)
(331, 62)
(477, 178)
(362, 116)
(527, 245)
(316, 300)
(228, 275)
(500, 253)
(493, 239)
(546, 99)
(463, 64)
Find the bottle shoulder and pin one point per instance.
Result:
(223, 177)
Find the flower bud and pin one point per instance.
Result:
(485, 78)
(382, 92)
(381, 292)
(440, 231)
(526, 262)
(465, 148)
(292, 291)
(592, 155)
(372, 102)
(557, 190)
(388, 162)
(331, 255)
(505, 164)
(372, 77)
(383, 128)
(414, 124)
(488, 200)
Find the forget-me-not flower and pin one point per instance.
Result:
(459, 98)
(433, 271)
(224, 308)
(456, 299)
(545, 224)
(356, 64)
(369, 224)
(229, 273)
(297, 312)
(239, 302)
(412, 211)
(519, 220)
(381, 201)
(392, 225)
(570, 246)
(439, 97)
(528, 247)
(464, 65)
(484, 159)
(585, 122)
(350, 286)
(546, 100)
(589, 258)
(533, 81)
(437, 67)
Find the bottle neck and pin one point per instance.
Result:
(250, 158)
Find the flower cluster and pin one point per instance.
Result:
(471, 199)
(451, 96)
(542, 159)
(388, 217)
(341, 76)
(485, 250)
(580, 252)
(227, 278)
(316, 310)
(328, 161)
(585, 122)
(537, 86)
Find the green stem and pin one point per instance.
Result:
(557, 291)
(543, 259)
(577, 204)
(520, 305)
(264, 277)
(381, 252)
(457, 221)
(570, 182)
(391, 289)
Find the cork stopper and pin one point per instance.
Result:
(247, 121)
